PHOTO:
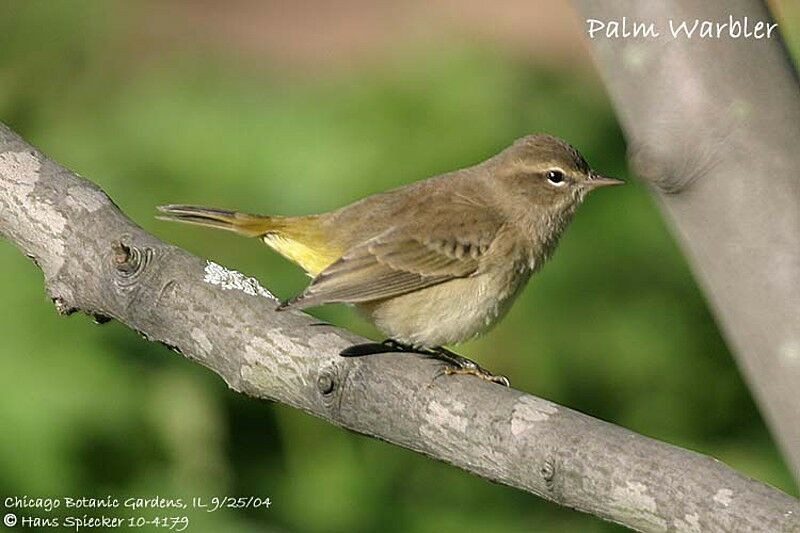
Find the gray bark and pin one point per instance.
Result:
(714, 126)
(97, 261)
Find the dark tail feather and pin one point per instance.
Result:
(242, 223)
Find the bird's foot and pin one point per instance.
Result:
(477, 372)
(458, 364)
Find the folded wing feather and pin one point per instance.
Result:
(393, 264)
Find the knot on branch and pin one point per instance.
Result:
(548, 473)
(673, 171)
(129, 262)
(329, 384)
(325, 384)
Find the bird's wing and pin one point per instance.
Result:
(397, 262)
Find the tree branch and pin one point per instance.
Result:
(96, 260)
(714, 127)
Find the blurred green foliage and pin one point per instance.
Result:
(614, 326)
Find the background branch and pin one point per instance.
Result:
(96, 260)
(714, 126)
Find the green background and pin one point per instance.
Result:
(614, 325)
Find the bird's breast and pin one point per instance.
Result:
(452, 312)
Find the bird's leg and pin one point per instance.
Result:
(461, 365)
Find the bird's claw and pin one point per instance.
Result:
(467, 367)
(454, 363)
(478, 372)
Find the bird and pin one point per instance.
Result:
(436, 262)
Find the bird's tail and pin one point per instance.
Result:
(241, 223)
(299, 239)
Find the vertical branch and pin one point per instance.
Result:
(713, 124)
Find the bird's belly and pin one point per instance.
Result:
(450, 313)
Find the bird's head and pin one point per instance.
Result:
(548, 174)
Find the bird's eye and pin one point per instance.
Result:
(555, 177)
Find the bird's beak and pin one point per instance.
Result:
(596, 181)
